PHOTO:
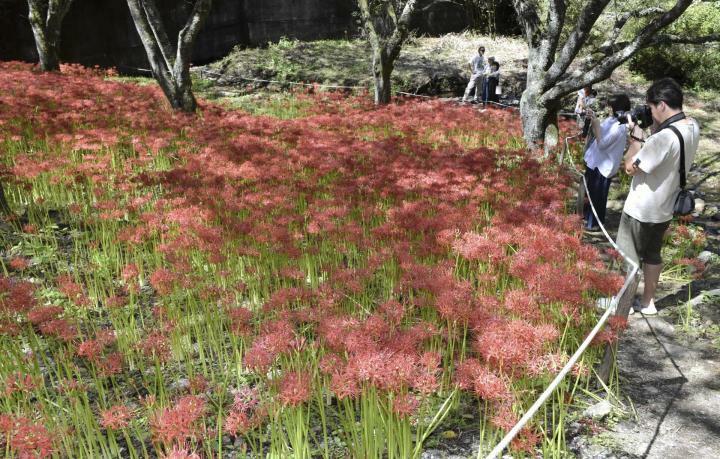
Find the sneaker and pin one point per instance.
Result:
(605, 303)
(474, 101)
(648, 310)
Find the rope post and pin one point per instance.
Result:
(623, 310)
(580, 204)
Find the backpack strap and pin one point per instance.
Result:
(682, 155)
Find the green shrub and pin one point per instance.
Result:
(692, 65)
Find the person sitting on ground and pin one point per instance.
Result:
(477, 68)
(492, 79)
(603, 156)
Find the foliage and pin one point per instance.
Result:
(691, 65)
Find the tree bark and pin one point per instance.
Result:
(552, 53)
(46, 18)
(387, 32)
(382, 70)
(171, 70)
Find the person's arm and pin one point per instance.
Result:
(612, 134)
(635, 144)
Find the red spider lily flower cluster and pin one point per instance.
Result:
(181, 422)
(26, 438)
(246, 412)
(116, 417)
(391, 232)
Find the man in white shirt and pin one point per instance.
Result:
(477, 69)
(654, 164)
(603, 157)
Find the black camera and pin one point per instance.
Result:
(640, 115)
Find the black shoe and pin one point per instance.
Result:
(474, 101)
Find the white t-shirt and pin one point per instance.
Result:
(606, 153)
(656, 185)
(478, 64)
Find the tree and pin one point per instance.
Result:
(170, 68)
(46, 18)
(555, 38)
(386, 23)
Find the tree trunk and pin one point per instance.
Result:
(184, 99)
(382, 69)
(539, 120)
(170, 69)
(46, 18)
(47, 51)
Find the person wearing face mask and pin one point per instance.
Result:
(654, 164)
(603, 157)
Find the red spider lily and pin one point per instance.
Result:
(179, 452)
(92, 349)
(72, 290)
(180, 422)
(156, 345)
(111, 365)
(163, 281)
(19, 263)
(246, 412)
(514, 343)
(198, 383)
(607, 335)
(42, 314)
(618, 323)
(60, 329)
(525, 441)
(295, 388)
(27, 439)
(116, 417)
(276, 339)
(473, 375)
(696, 265)
(405, 405)
(16, 296)
(18, 382)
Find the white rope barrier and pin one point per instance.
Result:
(294, 83)
(576, 356)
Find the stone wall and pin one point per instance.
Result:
(102, 32)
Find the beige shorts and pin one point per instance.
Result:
(640, 241)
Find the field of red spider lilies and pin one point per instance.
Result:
(333, 285)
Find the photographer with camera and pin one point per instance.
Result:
(654, 164)
(603, 156)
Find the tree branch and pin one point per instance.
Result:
(186, 38)
(605, 67)
(529, 19)
(555, 23)
(577, 39)
(622, 19)
(154, 21)
(677, 39)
